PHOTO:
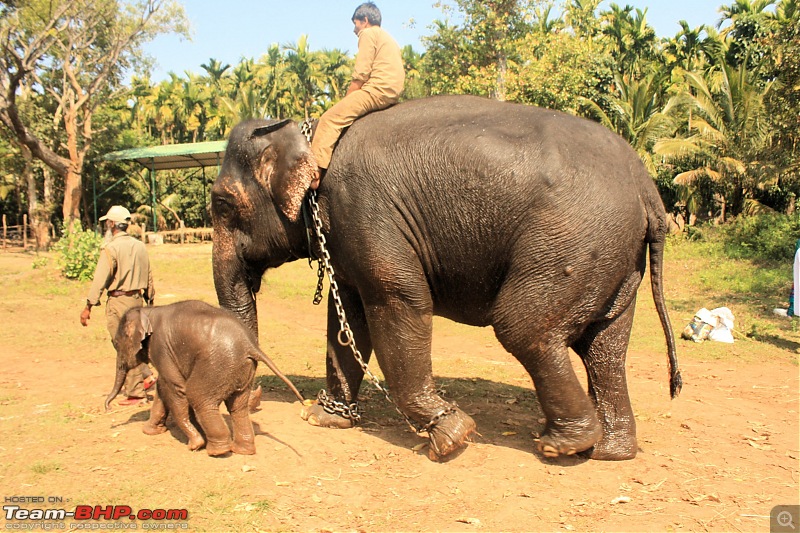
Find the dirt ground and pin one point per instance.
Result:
(718, 458)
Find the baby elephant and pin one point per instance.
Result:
(204, 356)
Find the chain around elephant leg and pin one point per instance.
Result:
(448, 432)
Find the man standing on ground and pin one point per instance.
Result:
(123, 269)
(378, 79)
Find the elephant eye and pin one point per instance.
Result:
(222, 206)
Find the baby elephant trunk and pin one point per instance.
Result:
(118, 382)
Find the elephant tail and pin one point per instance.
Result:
(261, 356)
(656, 281)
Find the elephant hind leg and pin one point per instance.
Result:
(218, 436)
(602, 349)
(572, 425)
(243, 434)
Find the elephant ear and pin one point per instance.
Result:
(286, 166)
(146, 325)
(137, 331)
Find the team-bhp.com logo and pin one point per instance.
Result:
(89, 517)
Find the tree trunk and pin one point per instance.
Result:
(73, 186)
(502, 70)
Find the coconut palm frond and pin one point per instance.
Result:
(690, 176)
(731, 165)
(753, 207)
(676, 148)
(594, 110)
(708, 132)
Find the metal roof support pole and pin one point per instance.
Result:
(153, 191)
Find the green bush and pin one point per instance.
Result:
(78, 252)
(769, 236)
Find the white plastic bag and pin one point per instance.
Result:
(720, 321)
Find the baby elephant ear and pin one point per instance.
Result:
(146, 326)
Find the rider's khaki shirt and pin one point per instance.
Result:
(379, 63)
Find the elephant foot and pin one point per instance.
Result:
(196, 442)
(620, 446)
(153, 429)
(450, 435)
(243, 448)
(254, 401)
(568, 437)
(219, 448)
(315, 415)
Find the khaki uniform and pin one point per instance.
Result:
(379, 65)
(124, 266)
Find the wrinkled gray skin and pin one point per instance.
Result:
(204, 356)
(529, 220)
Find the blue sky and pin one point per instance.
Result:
(228, 30)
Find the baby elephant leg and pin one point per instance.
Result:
(218, 437)
(175, 402)
(158, 417)
(243, 435)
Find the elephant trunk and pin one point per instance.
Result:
(118, 382)
(232, 280)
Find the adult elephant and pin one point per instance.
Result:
(529, 220)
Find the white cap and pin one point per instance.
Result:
(117, 213)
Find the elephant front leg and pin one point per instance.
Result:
(344, 373)
(175, 401)
(243, 434)
(158, 417)
(403, 348)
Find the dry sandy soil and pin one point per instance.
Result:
(718, 458)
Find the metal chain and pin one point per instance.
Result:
(345, 336)
(331, 406)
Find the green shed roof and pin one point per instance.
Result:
(169, 156)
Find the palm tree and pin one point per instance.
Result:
(632, 39)
(270, 73)
(750, 24)
(215, 70)
(728, 130)
(246, 104)
(741, 8)
(336, 69)
(636, 114)
(304, 70)
(689, 49)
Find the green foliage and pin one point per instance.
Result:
(40, 262)
(770, 237)
(78, 251)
